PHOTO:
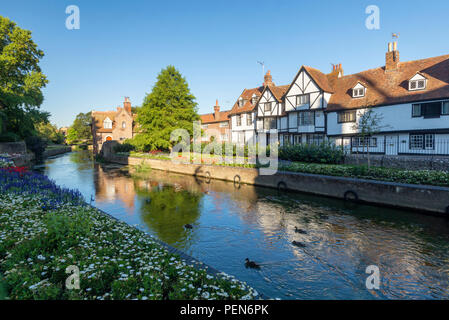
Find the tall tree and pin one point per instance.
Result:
(21, 79)
(81, 128)
(169, 106)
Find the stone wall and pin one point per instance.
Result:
(402, 162)
(13, 147)
(56, 151)
(416, 197)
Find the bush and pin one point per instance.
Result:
(37, 145)
(9, 137)
(325, 152)
(124, 147)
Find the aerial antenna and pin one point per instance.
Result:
(263, 66)
(395, 35)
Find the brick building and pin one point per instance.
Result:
(116, 125)
(216, 124)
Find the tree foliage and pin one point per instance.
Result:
(80, 129)
(49, 133)
(21, 79)
(169, 106)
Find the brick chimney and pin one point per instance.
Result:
(216, 110)
(127, 105)
(268, 79)
(392, 57)
(337, 72)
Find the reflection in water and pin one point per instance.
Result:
(229, 225)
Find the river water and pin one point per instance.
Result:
(339, 241)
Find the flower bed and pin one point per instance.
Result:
(46, 228)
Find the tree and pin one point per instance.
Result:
(169, 106)
(369, 123)
(80, 129)
(49, 132)
(21, 79)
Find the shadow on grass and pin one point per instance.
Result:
(3, 291)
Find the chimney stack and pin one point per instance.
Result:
(216, 110)
(268, 79)
(127, 105)
(392, 57)
(337, 72)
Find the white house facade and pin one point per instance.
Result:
(410, 101)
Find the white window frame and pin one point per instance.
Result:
(241, 102)
(249, 119)
(238, 120)
(415, 85)
(254, 99)
(306, 118)
(302, 99)
(107, 123)
(445, 108)
(267, 107)
(358, 92)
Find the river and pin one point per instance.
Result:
(338, 240)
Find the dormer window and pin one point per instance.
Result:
(107, 123)
(417, 82)
(254, 99)
(358, 91)
(241, 102)
(123, 124)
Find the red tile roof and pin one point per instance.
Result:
(210, 117)
(385, 88)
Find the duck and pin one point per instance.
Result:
(188, 226)
(301, 231)
(251, 264)
(298, 244)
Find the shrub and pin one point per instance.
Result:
(9, 137)
(37, 145)
(124, 147)
(325, 152)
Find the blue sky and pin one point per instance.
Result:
(122, 45)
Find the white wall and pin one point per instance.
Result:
(395, 118)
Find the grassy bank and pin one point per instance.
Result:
(46, 229)
(424, 177)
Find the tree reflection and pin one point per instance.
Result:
(166, 209)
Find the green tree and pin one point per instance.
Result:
(21, 79)
(49, 132)
(169, 106)
(80, 129)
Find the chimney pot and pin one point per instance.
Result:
(216, 110)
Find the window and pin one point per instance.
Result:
(123, 124)
(239, 120)
(422, 141)
(241, 102)
(204, 126)
(297, 139)
(445, 108)
(249, 119)
(346, 116)
(416, 110)
(267, 106)
(269, 123)
(302, 99)
(363, 142)
(254, 100)
(107, 123)
(315, 139)
(417, 84)
(224, 124)
(306, 118)
(359, 92)
(286, 139)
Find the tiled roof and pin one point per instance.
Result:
(391, 87)
(210, 117)
(99, 116)
(279, 91)
(320, 78)
(247, 94)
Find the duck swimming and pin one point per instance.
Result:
(298, 244)
(188, 226)
(251, 264)
(301, 231)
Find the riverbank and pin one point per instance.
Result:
(425, 198)
(46, 229)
